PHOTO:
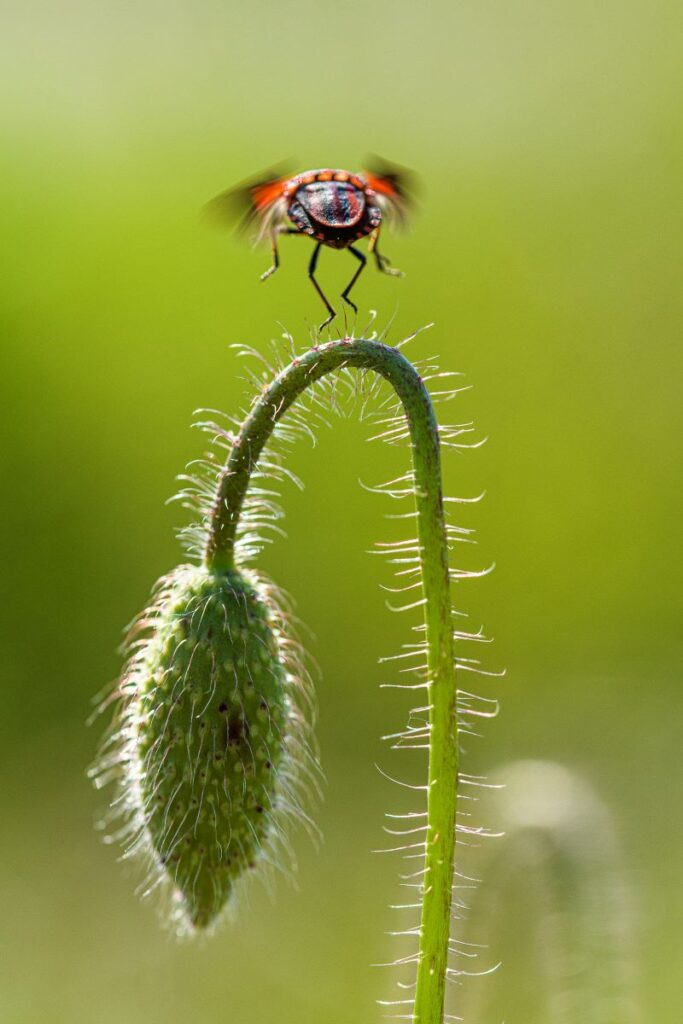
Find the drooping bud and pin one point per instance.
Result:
(209, 721)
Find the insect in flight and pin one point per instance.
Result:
(333, 207)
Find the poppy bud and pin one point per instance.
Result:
(208, 722)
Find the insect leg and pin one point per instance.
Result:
(311, 273)
(383, 263)
(276, 256)
(363, 260)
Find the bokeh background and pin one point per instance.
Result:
(547, 249)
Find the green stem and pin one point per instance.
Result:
(219, 555)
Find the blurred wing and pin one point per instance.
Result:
(395, 186)
(257, 204)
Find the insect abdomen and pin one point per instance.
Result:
(333, 204)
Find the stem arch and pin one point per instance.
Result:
(219, 555)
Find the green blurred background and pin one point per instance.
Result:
(547, 249)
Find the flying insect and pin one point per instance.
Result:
(335, 208)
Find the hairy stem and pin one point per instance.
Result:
(219, 555)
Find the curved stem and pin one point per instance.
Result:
(219, 555)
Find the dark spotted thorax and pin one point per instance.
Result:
(333, 206)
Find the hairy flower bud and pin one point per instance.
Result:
(209, 721)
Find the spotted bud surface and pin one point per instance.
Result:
(208, 724)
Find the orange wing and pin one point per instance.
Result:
(258, 202)
(264, 193)
(395, 185)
